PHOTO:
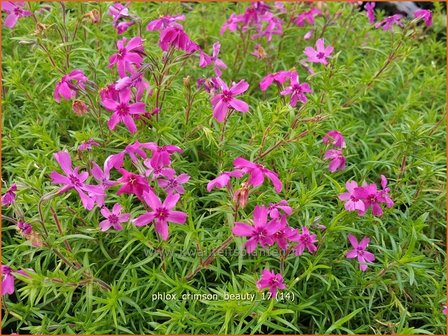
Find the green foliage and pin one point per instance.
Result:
(394, 124)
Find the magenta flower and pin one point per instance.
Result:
(8, 279)
(69, 85)
(320, 54)
(388, 22)
(161, 156)
(257, 173)
(174, 36)
(272, 281)
(280, 209)
(444, 309)
(223, 179)
(163, 22)
(232, 23)
(119, 14)
(205, 59)
(24, 227)
(425, 15)
(10, 195)
(297, 90)
(370, 8)
(129, 55)
(75, 180)
(172, 184)
(109, 92)
(305, 240)
(260, 233)
(359, 251)
(103, 176)
(279, 78)
(15, 12)
(88, 145)
(272, 26)
(136, 81)
(334, 138)
(285, 234)
(114, 218)
(226, 99)
(123, 111)
(307, 17)
(137, 149)
(308, 35)
(384, 193)
(337, 160)
(353, 197)
(161, 213)
(132, 184)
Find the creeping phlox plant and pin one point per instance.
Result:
(323, 183)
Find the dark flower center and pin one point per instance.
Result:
(161, 213)
(320, 55)
(18, 11)
(227, 95)
(123, 109)
(74, 180)
(305, 239)
(113, 219)
(121, 53)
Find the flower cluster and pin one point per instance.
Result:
(361, 198)
(121, 17)
(335, 155)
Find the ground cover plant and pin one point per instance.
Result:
(222, 168)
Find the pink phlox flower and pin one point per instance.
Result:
(109, 92)
(232, 23)
(75, 180)
(354, 197)
(88, 145)
(320, 54)
(174, 36)
(337, 160)
(297, 90)
(279, 78)
(205, 60)
(388, 22)
(272, 281)
(136, 81)
(123, 110)
(257, 173)
(8, 275)
(280, 7)
(334, 138)
(226, 99)
(69, 85)
(119, 15)
(161, 155)
(444, 309)
(10, 195)
(172, 184)
(384, 193)
(24, 227)
(305, 240)
(359, 251)
(114, 218)
(272, 25)
(138, 149)
(223, 179)
(15, 11)
(161, 213)
(157, 171)
(129, 56)
(370, 8)
(260, 233)
(425, 15)
(103, 175)
(164, 22)
(133, 184)
(308, 35)
(307, 17)
(285, 234)
(280, 209)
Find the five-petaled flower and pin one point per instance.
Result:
(114, 218)
(226, 99)
(161, 213)
(272, 281)
(129, 56)
(257, 173)
(297, 90)
(320, 54)
(10, 195)
(15, 12)
(69, 85)
(205, 59)
(359, 251)
(305, 240)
